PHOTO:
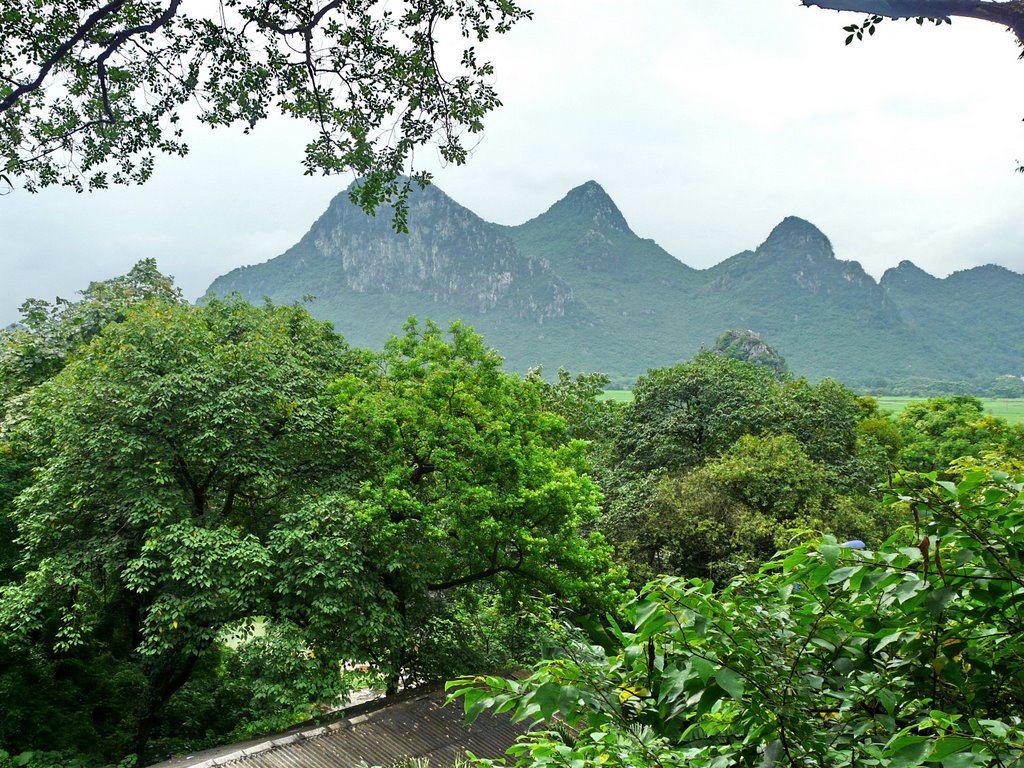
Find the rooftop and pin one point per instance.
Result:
(414, 726)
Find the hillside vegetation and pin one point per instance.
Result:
(1010, 410)
(173, 477)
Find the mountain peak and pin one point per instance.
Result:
(905, 273)
(589, 205)
(796, 233)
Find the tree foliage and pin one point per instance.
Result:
(173, 474)
(716, 460)
(163, 454)
(90, 91)
(937, 431)
(682, 415)
(460, 477)
(1007, 13)
(904, 656)
(40, 344)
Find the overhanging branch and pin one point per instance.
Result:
(62, 50)
(87, 27)
(1009, 13)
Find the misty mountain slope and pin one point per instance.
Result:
(795, 291)
(614, 272)
(978, 312)
(451, 259)
(575, 287)
(639, 300)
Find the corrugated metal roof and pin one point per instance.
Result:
(416, 727)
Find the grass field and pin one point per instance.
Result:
(618, 395)
(1011, 409)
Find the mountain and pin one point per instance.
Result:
(977, 312)
(575, 287)
(449, 256)
(588, 243)
(368, 279)
(813, 307)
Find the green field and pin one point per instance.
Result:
(1011, 409)
(618, 395)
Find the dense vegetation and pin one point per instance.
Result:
(576, 287)
(829, 656)
(173, 476)
(173, 473)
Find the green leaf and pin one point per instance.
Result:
(888, 639)
(704, 667)
(731, 681)
(938, 599)
(547, 698)
(948, 745)
(907, 751)
(966, 760)
(831, 553)
(842, 574)
(996, 727)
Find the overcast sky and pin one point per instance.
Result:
(707, 121)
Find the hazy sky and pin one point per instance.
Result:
(707, 121)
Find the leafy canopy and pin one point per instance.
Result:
(937, 431)
(90, 91)
(162, 455)
(459, 478)
(717, 459)
(41, 343)
(172, 473)
(905, 656)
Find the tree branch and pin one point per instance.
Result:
(470, 578)
(484, 574)
(62, 50)
(142, 29)
(87, 27)
(302, 29)
(1009, 13)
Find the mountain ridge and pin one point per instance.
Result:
(576, 287)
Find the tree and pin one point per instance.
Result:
(684, 414)
(40, 344)
(578, 400)
(192, 469)
(736, 511)
(89, 92)
(460, 479)
(163, 455)
(717, 458)
(936, 431)
(1008, 13)
(905, 656)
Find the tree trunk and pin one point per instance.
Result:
(397, 654)
(164, 681)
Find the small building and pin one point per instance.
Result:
(412, 725)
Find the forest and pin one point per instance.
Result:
(217, 519)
